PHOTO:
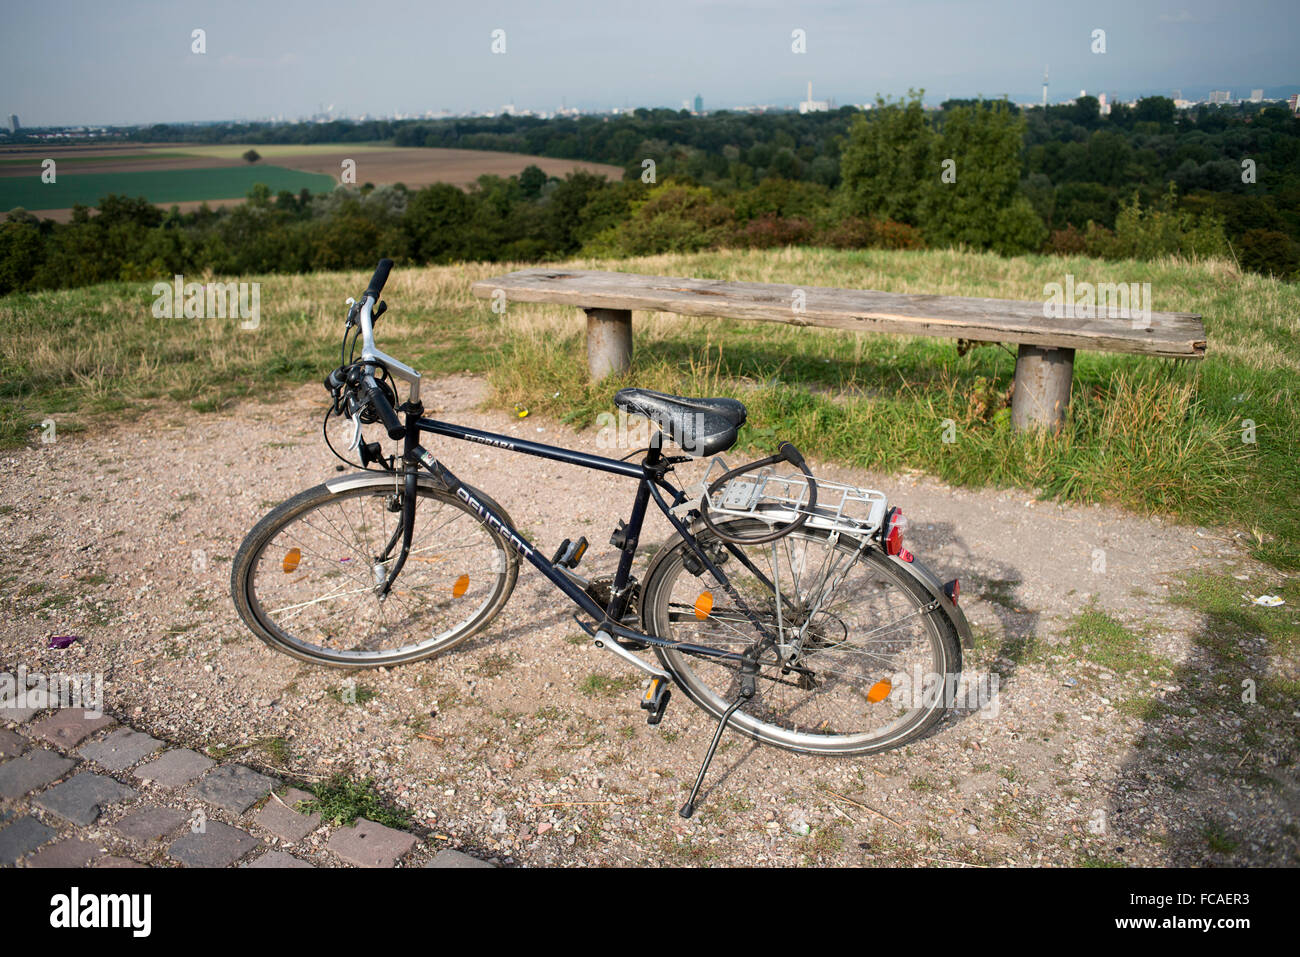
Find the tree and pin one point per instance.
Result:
(252, 156)
(971, 192)
(886, 163)
(531, 180)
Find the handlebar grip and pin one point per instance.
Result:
(384, 409)
(792, 455)
(379, 278)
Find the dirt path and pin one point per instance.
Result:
(125, 538)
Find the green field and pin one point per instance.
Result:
(35, 161)
(1153, 435)
(157, 186)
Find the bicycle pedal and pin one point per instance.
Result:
(656, 700)
(570, 553)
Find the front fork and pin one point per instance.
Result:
(410, 480)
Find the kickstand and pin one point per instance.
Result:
(746, 692)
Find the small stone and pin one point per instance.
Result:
(12, 743)
(21, 838)
(82, 798)
(68, 727)
(218, 845)
(368, 844)
(450, 858)
(121, 749)
(175, 768)
(151, 824)
(9, 712)
(283, 821)
(32, 770)
(73, 852)
(233, 788)
(278, 859)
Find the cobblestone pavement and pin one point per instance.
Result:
(79, 790)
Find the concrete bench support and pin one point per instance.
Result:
(609, 341)
(1042, 387)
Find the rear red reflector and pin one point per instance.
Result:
(953, 590)
(894, 533)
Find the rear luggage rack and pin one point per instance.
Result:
(780, 498)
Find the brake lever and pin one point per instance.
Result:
(356, 433)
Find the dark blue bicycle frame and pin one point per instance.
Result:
(650, 475)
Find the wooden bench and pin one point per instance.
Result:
(1044, 362)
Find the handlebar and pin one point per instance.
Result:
(379, 278)
(375, 397)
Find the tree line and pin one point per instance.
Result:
(1139, 182)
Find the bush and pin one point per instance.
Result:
(1270, 252)
(1066, 242)
(770, 230)
(673, 219)
(888, 234)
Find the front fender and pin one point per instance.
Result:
(930, 582)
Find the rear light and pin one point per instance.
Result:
(895, 525)
(953, 590)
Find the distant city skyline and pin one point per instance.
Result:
(134, 63)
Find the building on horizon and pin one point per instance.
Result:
(1257, 96)
(814, 106)
(1221, 97)
(14, 126)
(1293, 101)
(699, 103)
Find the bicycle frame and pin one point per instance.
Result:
(650, 480)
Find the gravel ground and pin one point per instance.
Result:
(125, 536)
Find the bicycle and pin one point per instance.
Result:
(784, 606)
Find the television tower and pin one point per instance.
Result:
(1044, 87)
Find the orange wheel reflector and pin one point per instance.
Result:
(461, 586)
(291, 560)
(879, 691)
(704, 605)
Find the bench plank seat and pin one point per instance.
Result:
(1044, 365)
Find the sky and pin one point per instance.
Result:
(131, 61)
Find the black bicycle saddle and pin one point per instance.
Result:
(702, 427)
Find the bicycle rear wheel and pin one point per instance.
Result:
(865, 668)
(305, 578)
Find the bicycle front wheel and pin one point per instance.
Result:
(305, 578)
(859, 664)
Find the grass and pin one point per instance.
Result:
(600, 686)
(341, 800)
(1104, 641)
(158, 186)
(1153, 435)
(1232, 620)
(34, 161)
(352, 693)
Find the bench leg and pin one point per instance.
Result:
(1042, 392)
(609, 341)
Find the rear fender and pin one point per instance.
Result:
(930, 582)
